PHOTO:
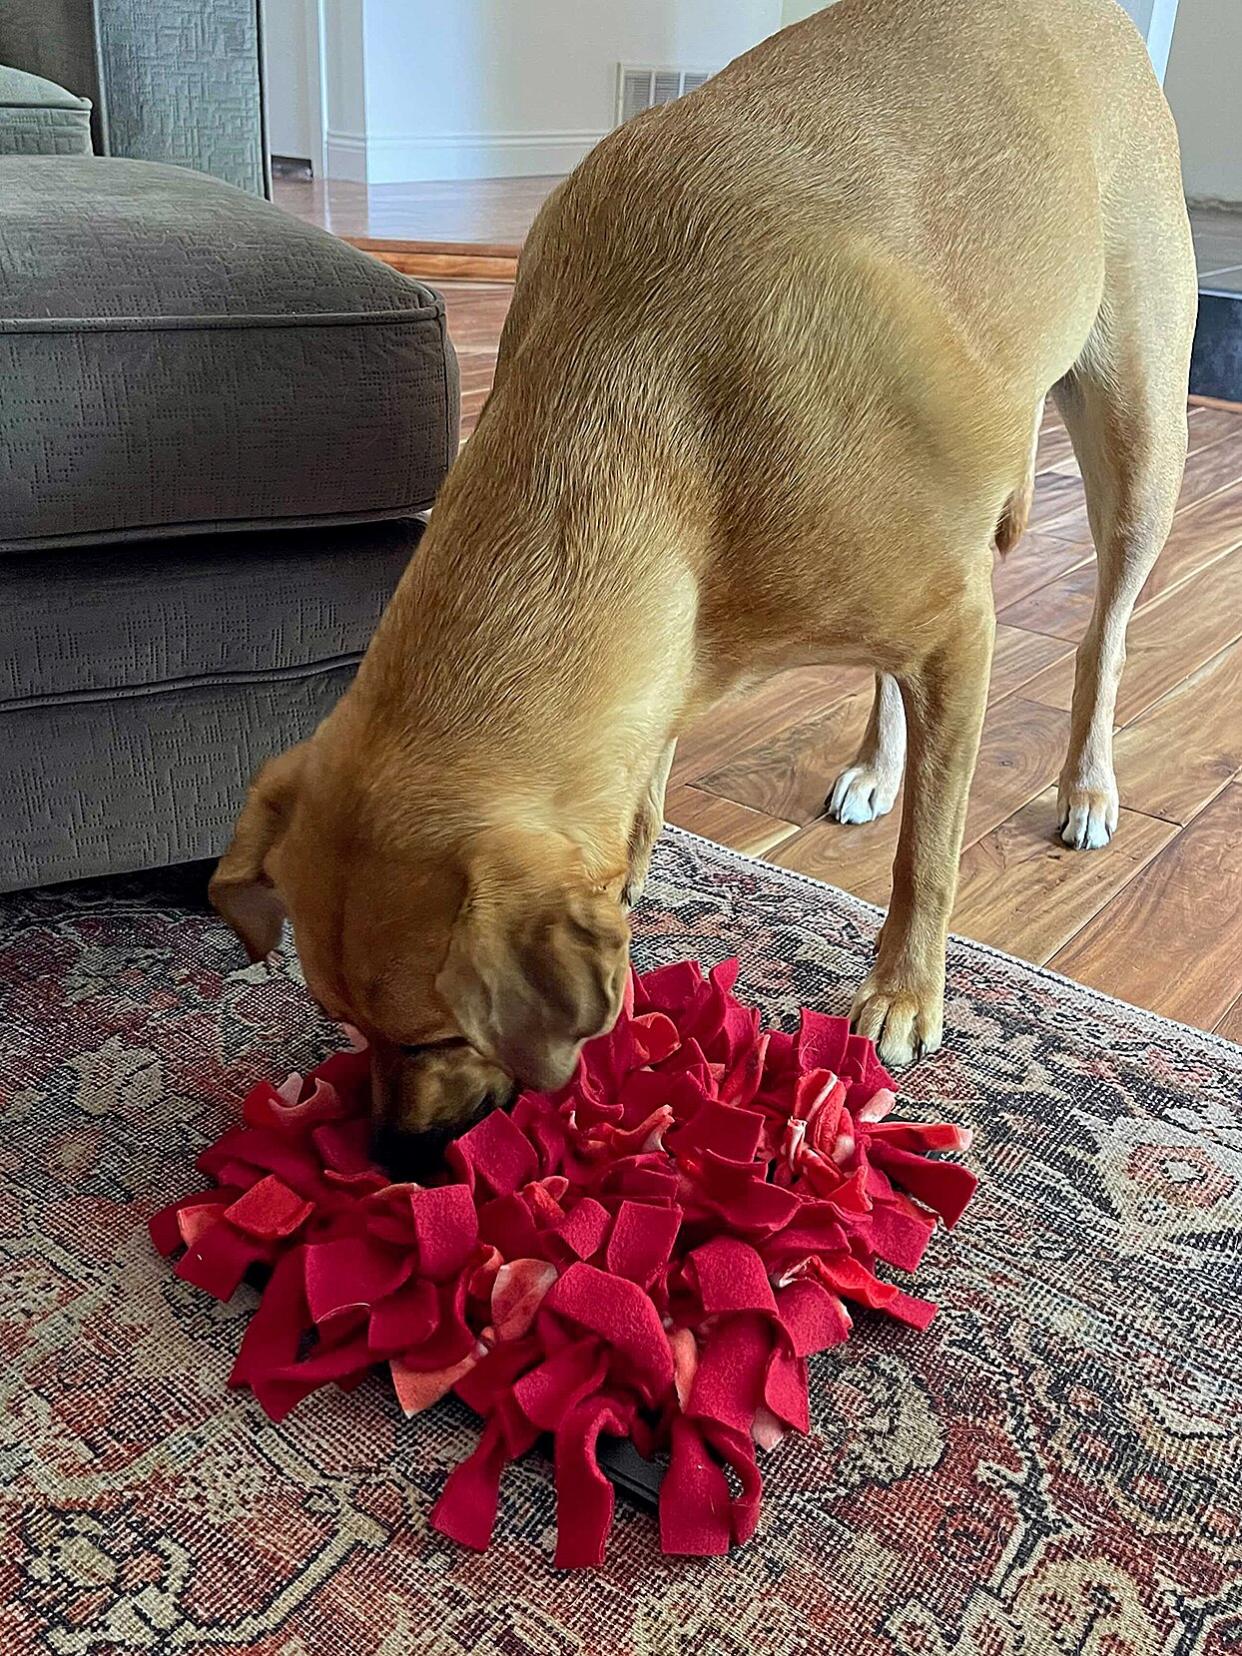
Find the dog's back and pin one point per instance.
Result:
(890, 123)
(889, 224)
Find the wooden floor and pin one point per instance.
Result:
(492, 215)
(485, 211)
(1156, 918)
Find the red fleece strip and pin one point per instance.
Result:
(655, 1252)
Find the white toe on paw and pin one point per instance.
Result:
(1088, 817)
(860, 794)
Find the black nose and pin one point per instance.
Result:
(415, 1157)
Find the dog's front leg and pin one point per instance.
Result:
(648, 821)
(901, 1004)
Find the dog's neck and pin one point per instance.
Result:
(541, 657)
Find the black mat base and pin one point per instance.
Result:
(1216, 361)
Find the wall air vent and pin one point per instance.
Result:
(640, 88)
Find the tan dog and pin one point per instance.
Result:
(768, 394)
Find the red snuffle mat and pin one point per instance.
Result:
(653, 1252)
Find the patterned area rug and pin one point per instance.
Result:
(1053, 1468)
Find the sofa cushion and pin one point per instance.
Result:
(179, 357)
(141, 686)
(37, 117)
(138, 619)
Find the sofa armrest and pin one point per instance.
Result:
(37, 117)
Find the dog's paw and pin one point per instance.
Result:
(632, 890)
(1087, 816)
(905, 1023)
(861, 794)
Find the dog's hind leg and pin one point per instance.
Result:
(1124, 403)
(868, 785)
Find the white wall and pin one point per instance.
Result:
(1205, 67)
(1155, 20)
(510, 88)
(290, 119)
(793, 11)
(344, 89)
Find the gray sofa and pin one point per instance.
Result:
(179, 81)
(37, 117)
(217, 428)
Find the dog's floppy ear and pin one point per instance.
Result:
(241, 891)
(537, 959)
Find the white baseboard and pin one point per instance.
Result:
(405, 158)
(345, 156)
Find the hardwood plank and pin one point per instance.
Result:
(788, 772)
(1035, 561)
(1052, 414)
(1018, 656)
(1230, 1026)
(1215, 402)
(1053, 447)
(1172, 940)
(471, 407)
(1211, 467)
(1206, 420)
(725, 821)
(1215, 466)
(1178, 754)
(1204, 424)
(1058, 497)
(476, 313)
(486, 211)
(858, 859)
(1060, 506)
(477, 385)
(1172, 636)
(1019, 755)
(467, 249)
(759, 714)
(1022, 890)
(1061, 607)
(432, 263)
(1198, 537)
(1055, 451)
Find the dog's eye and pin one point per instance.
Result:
(413, 1049)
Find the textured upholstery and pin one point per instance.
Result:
(171, 80)
(179, 360)
(143, 686)
(56, 38)
(178, 356)
(183, 85)
(37, 117)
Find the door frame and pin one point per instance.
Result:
(316, 86)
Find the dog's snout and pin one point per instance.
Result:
(424, 1099)
(410, 1157)
(416, 1154)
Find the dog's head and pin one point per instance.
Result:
(472, 963)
